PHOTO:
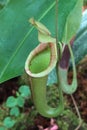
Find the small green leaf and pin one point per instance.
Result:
(8, 122)
(72, 22)
(25, 91)
(2, 128)
(11, 101)
(14, 111)
(20, 101)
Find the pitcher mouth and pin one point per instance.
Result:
(41, 60)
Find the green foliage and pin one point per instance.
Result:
(15, 111)
(11, 102)
(8, 122)
(24, 91)
(69, 121)
(79, 48)
(20, 101)
(14, 104)
(72, 25)
(2, 128)
(18, 37)
(80, 43)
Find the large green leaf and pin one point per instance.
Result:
(18, 37)
(80, 44)
(72, 25)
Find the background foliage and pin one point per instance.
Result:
(18, 37)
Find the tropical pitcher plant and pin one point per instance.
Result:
(51, 53)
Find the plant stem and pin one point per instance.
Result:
(56, 22)
(59, 55)
(56, 30)
(78, 113)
